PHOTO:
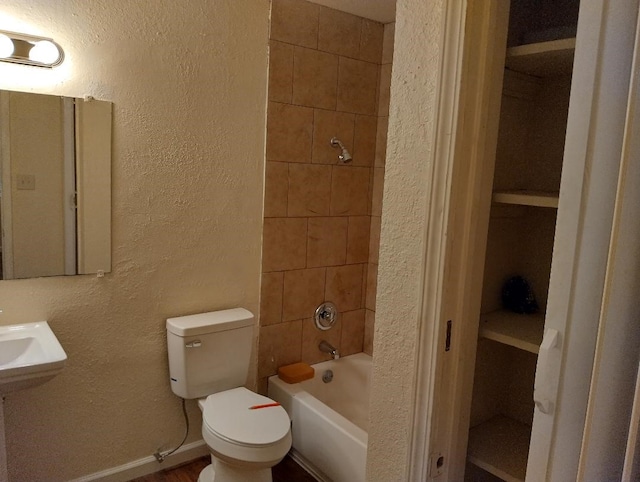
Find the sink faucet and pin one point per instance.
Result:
(325, 347)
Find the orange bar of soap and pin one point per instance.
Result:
(296, 373)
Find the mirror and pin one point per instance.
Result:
(55, 185)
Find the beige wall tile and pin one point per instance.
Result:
(364, 149)
(371, 41)
(369, 324)
(280, 71)
(262, 386)
(387, 43)
(271, 298)
(327, 241)
(349, 190)
(328, 204)
(284, 244)
(357, 86)
(372, 286)
(352, 332)
(385, 90)
(289, 133)
(311, 338)
(279, 345)
(365, 276)
(295, 22)
(358, 244)
(326, 125)
(303, 292)
(339, 32)
(381, 141)
(276, 185)
(370, 191)
(377, 191)
(344, 286)
(315, 76)
(309, 190)
(374, 239)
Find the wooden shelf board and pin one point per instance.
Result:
(521, 331)
(527, 198)
(501, 447)
(544, 59)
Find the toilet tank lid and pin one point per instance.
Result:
(211, 322)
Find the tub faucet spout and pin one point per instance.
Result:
(325, 347)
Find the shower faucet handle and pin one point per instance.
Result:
(326, 316)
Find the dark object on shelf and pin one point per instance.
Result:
(518, 297)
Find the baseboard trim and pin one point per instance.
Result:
(308, 466)
(148, 465)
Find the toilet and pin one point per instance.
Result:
(246, 433)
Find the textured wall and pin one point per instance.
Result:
(377, 186)
(189, 93)
(406, 186)
(379, 10)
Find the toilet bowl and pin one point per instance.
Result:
(247, 433)
(244, 442)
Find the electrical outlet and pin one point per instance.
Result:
(26, 182)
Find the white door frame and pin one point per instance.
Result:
(6, 203)
(69, 191)
(431, 334)
(610, 425)
(468, 111)
(435, 369)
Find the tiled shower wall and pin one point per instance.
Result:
(327, 77)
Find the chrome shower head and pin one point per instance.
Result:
(344, 155)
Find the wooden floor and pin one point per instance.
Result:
(285, 471)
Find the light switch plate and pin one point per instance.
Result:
(26, 182)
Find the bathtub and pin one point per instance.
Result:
(330, 420)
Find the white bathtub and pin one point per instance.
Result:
(330, 420)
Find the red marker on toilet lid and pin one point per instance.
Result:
(264, 405)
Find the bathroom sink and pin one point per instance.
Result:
(30, 354)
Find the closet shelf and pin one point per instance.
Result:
(544, 59)
(521, 331)
(501, 447)
(527, 198)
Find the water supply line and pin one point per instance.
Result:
(161, 456)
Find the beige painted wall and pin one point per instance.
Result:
(417, 53)
(189, 93)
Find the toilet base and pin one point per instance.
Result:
(207, 474)
(218, 471)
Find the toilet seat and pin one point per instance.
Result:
(235, 432)
(229, 416)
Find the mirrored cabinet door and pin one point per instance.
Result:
(55, 185)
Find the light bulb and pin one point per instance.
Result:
(6, 46)
(45, 52)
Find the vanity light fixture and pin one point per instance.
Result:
(20, 48)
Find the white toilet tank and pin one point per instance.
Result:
(209, 352)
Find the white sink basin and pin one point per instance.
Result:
(30, 354)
